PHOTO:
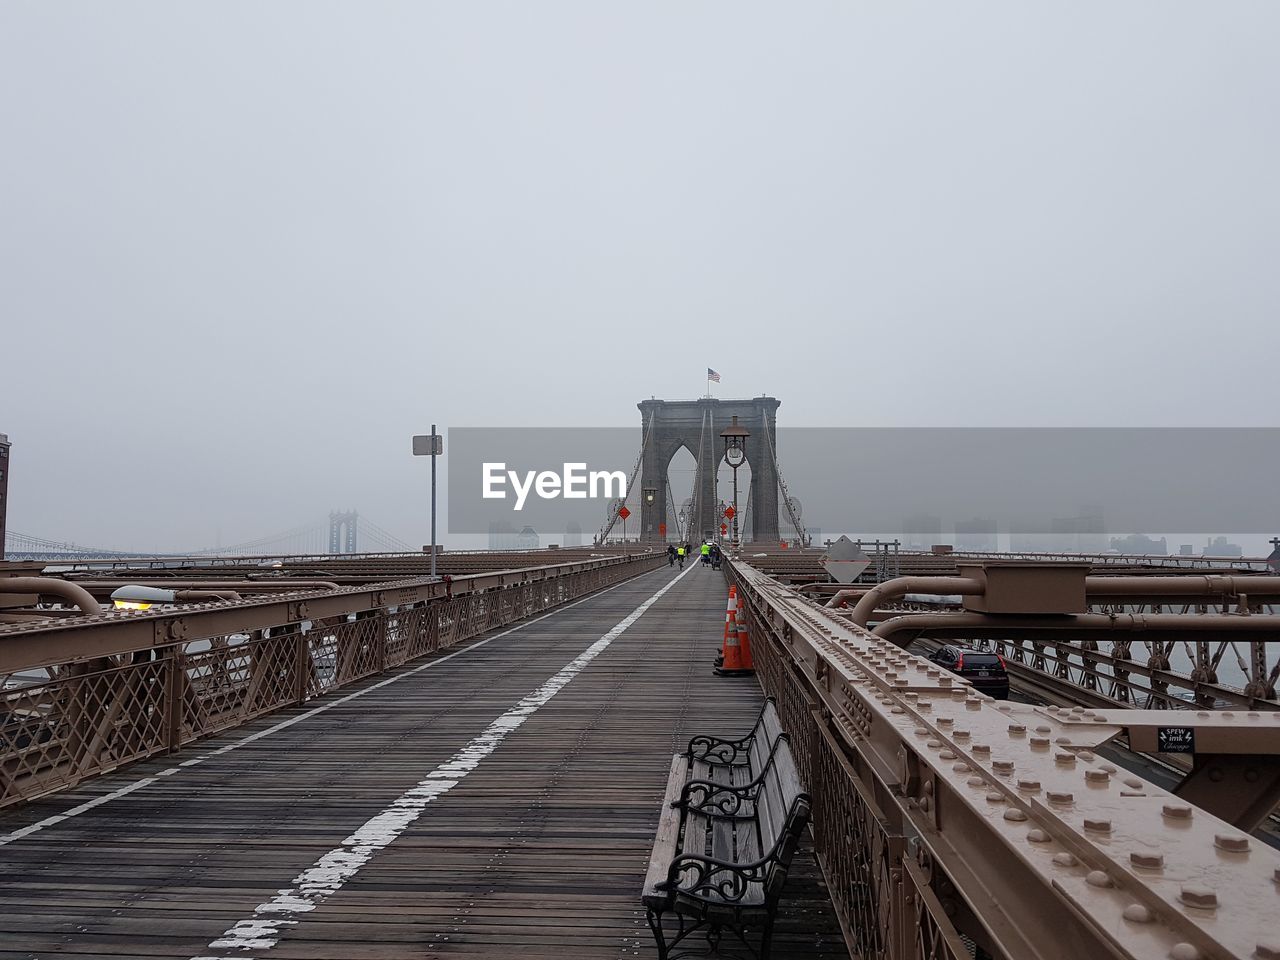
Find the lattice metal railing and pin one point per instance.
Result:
(62, 724)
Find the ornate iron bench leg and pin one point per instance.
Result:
(766, 939)
(655, 924)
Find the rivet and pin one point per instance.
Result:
(1231, 842)
(973, 704)
(1099, 719)
(1054, 709)
(1267, 950)
(1134, 782)
(1039, 743)
(1086, 756)
(1097, 825)
(1059, 796)
(935, 744)
(925, 805)
(958, 693)
(995, 797)
(1109, 767)
(1036, 835)
(1064, 859)
(981, 748)
(1137, 913)
(1014, 814)
(1032, 786)
(1062, 740)
(1176, 811)
(920, 732)
(1043, 728)
(1198, 896)
(1184, 951)
(976, 782)
(961, 734)
(1002, 766)
(1148, 861)
(1098, 878)
(1097, 776)
(1004, 707)
(1202, 714)
(896, 710)
(1064, 757)
(1017, 729)
(961, 768)
(945, 721)
(947, 755)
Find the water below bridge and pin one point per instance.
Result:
(497, 800)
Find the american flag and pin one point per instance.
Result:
(712, 375)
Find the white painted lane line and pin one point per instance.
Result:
(327, 875)
(282, 725)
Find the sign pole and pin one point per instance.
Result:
(433, 500)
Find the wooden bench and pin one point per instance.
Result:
(725, 841)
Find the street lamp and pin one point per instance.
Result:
(735, 455)
(650, 494)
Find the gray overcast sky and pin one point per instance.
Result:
(247, 249)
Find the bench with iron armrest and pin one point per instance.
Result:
(722, 855)
(713, 751)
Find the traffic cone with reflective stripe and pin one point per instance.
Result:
(731, 664)
(731, 611)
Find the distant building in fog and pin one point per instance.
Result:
(503, 536)
(1085, 533)
(1137, 544)
(1221, 547)
(976, 536)
(921, 531)
(573, 534)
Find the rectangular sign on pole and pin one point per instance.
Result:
(427, 445)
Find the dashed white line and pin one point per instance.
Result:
(276, 728)
(327, 875)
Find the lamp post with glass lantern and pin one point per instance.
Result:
(735, 454)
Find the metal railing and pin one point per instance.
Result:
(85, 695)
(950, 826)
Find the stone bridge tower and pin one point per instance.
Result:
(696, 425)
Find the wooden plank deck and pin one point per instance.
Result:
(537, 850)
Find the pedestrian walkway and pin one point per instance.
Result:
(498, 801)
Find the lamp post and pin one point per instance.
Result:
(735, 455)
(650, 495)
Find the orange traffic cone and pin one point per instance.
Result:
(730, 661)
(730, 614)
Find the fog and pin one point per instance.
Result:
(248, 250)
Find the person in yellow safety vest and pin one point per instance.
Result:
(680, 555)
(706, 553)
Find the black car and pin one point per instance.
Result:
(984, 670)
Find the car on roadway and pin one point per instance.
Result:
(985, 670)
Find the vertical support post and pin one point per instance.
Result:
(174, 693)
